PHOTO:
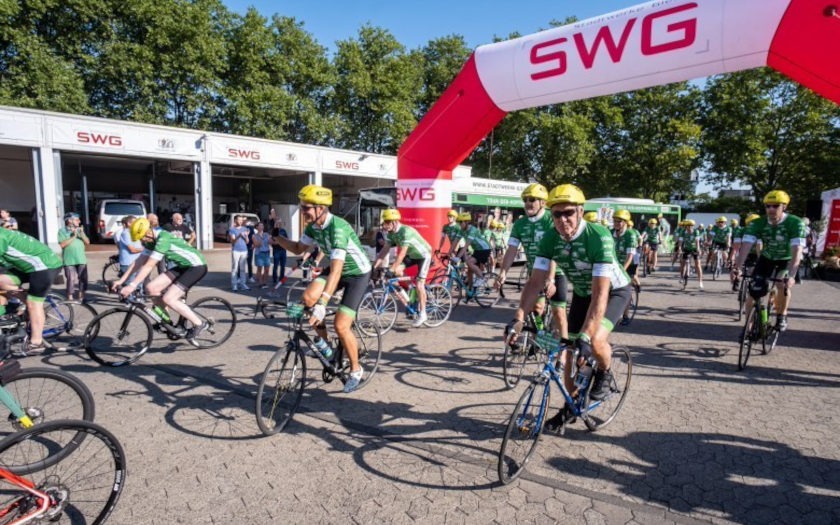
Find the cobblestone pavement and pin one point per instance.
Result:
(697, 441)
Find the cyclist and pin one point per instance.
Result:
(737, 233)
(528, 232)
(626, 241)
(586, 254)
(752, 257)
(412, 250)
(690, 243)
(678, 231)
(783, 240)
(481, 249)
(499, 241)
(349, 269)
(187, 267)
(450, 231)
(591, 216)
(721, 238)
(652, 237)
(28, 260)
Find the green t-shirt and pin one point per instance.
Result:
(591, 252)
(777, 240)
(24, 253)
(418, 248)
(452, 232)
(474, 238)
(528, 232)
(73, 253)
(625, 243)
(721, 235)
(737, 233)
(337, 238)
(175, 249)
(689, 240)
(652, 234)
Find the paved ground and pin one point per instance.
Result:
(696, 442)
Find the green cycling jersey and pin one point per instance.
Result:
(418, 248)
(337, 238)
(25, 253)
(777, 239)
(175, 249)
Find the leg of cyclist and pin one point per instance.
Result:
(156, 287)
(699, 269)
(558, 305)
(40, 283)
(310, 297)
(655, 257)
(422, 274)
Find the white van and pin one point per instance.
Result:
(111, 211)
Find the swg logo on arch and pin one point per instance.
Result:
(422, 194)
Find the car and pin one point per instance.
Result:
(111, 211)
(224, 222)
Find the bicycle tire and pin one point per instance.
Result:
(487, 295)
(281, 388)
(602, 413)
(58, 316)
(270, 309)
(718, 266)
(110, 273)
(86, 484)
(770, 340)
(438, 305)
(513, 360)
(525, 422)
(294, 294)
(46, 393)
(634, 304)
(369, 339)
(221, 317)
(443, 278)
(380, 308)
(742, 297)
(115, 323)
(750, 326)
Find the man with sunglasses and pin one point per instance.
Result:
(626, 242)
(528, 232)
(783, 238)
(349, 269)
(586, 254)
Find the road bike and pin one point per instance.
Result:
(717, 262)
(743, 289)
(121, 335)
(758, 327)
(274, 304)
(453, 277)
(381, 303)
(111, 271)
(282, 383)
(61, 317)
(525, 426)
(79, 485)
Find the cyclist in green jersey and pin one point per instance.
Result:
(626, 241)
(28, 261)
(528, 232)
(481, 249)
(737, 233)
(586, 254)
(783, 239)
(412, 250)
(652, 238)
(451, 231)
(499, 241)
(188, 267)
(690, 242)
(721, 238)
(678, 231)
(349, 269)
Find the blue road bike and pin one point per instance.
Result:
(379, 305)
(452, 277)
(527, 420)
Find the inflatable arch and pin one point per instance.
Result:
(646, 45)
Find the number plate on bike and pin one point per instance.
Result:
(547, 341)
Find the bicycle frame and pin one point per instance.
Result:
(551, 373)
(299, 334)
(42, 498)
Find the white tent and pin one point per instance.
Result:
(831, 214)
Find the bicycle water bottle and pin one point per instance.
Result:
(412, 295)
(583, 375)
(323, 347)
(162, 315)
(403, 294)
(764, 315)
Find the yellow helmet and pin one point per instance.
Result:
(630, 223)
(590, 216)
(777, 197)
(734, 222)
(139, 228)
(721, 219)
(314, 194)
(452, 213)
(652, 220)
(464, 217)
(536, 191)
(390, 215)
(565, 194)
(624, 215)
(751, 217)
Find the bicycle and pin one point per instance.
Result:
(380, 304)
(526, 421)
(281, 386)
(60, 317)
(120, 336)
(718, 262)
(742, 292)
(453, 279)
(528, 345)
(272, 305)
(757, 327)
(82, 485)
(111, 271)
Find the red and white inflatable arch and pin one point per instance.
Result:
(646, 45)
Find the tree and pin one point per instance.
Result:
(443, 59)
(768, 132)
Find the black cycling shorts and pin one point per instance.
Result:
(654, 246)
(765, 268)
(354, 290)
(616, 304)
(631, 270)
(40, 282)
(186, 277)
(560, 291)
(686, 255)
(481, 256)
(721, 245)
(423, 266)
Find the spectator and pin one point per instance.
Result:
(73, 240)
(180, 229)
(250, 257)
(128, 250)
(7, 221)
(238, 237)
(262, 254)
(278, 252)
(380, 243)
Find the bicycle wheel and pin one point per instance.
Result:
(487, 295)
(220, 317)
(379, 308)
(84, 485)
(634, 303)
(118, 337)
(370, 349)
(294, 294)
(281, 389)
(438, 305)
(443, 278)
(742, 297)
(747, 338)
(110, 273)
(601, 413)
(83, 315)
(523, 431)
(58, 316)
(270, 309)
(46, 394)
(513, 361)
(718, 266)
